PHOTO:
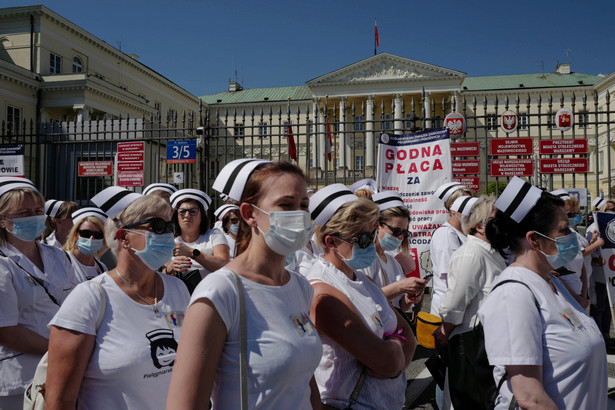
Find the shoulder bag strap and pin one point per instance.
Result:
(357, 388)
(96, 261)
(34, 278)
(243, 343)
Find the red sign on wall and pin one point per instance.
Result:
(564, 166)
(131, 156)
(130, 166)
(562, 146)
(466, 166)
(511, 146)
(95, 168)
(129, 178)
(130, 146)
(510, 167)
(470, 182)
(465, 149)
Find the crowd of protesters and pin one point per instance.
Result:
(295, 299)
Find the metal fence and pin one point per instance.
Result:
(335, 139)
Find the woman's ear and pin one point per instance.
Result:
(246, 210)
(531, 239)
(330, 242)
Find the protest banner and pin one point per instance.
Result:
(415, 165)
(606, 227)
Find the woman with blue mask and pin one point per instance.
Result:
(125, 362)
(85, 242)
(35, 279)
(546, 350)
(282, 348)
(228, 215)
(367, 344)
(391, 242)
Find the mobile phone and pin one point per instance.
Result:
(427, 277)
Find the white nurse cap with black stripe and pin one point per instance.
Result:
(445, 191)
(223, 210)
(159, 186)
(561, 193)
(9, 183)
(233, 177)
(367, 183)
(115, 199)
(387, 199)
(52, 207)
(189, 193)
(598, 202)
(83, 213)
(325, 202)
(464, 205)
(518, 199)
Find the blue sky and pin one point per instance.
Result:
(199, 44)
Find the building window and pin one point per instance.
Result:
(99, 76)
(358, 162)
(523, 121)
(13, 120)
(583, 119)
(55, 64)
(311, 163)
(239, 130)
(213, 169)
(263, 130)
(386, 124)
(359, 124)
(436, 122)
(171, 115)
(492, 122)
(410, 121)
(77, 65)
(285, 126)
(601, 161)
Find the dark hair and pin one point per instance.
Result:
(64, 212)
(252, 194)
(227, 217)
(503, 232)
(204, 220)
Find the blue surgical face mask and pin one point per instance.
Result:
(361, 257)
(158, 249)
(575, 221)
(289, 231)
(389, 242)
(28, 228)
(89, 246)
(567, 250)
(234, 228)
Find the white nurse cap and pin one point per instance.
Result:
(518, 199)
(325, 202)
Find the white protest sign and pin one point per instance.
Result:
(11, 160)
(415, 165)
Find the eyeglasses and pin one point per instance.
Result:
(234, 220)
(364, 239)
(86, 233)
(158, 225)
(397, 232)
(191, 211)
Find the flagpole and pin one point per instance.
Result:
(375, 37)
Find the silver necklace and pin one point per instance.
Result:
(154, 307)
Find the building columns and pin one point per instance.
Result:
(83, 112)
(344, 150)
(398, 114)
(369, 133)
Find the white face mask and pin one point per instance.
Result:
(289, 231)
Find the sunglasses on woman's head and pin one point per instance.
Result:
(86, 233)
(158, 225)
(397, 232)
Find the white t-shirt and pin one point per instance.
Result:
(444, 241)
(205, 244)
(471, 270)
(231, 244)
(283, 345)
(24, 302)
(131, 364)
(385, 273)
(557, 335)
(338, 371)
(85, 272)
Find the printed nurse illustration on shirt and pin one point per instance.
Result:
(163, 347)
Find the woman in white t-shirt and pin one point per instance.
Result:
(198, 247)
(125, 363)
(228, 215)
(537, 336)
(86, 241)
(364, 338)
(283, 348)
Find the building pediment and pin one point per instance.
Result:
(386, 67)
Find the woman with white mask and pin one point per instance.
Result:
(283, 346)
(35, 278)
(86, 241)
(366, 344)
(228, 214)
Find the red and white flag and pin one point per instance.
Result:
(329, 142)
(292, 148)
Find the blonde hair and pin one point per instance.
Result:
(64, 212)
(73, 235)
(13, 197)
(145, 207)
(460, 192)
(364, 193)
(480, 214)
(398, 211)
(348, 220)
